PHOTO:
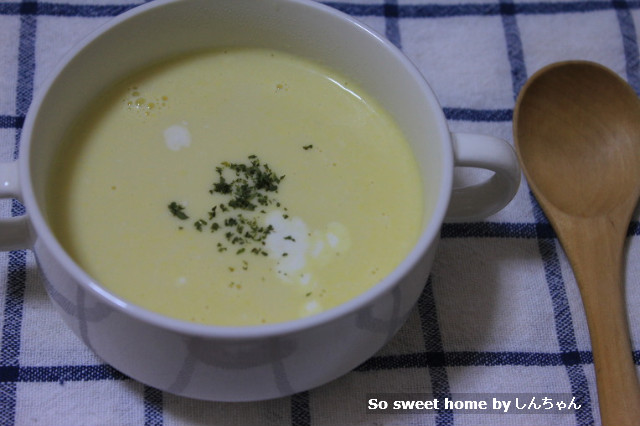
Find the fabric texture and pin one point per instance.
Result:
(500, 315)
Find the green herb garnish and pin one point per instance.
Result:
(178, 210)
(243, 187)
(249, 185)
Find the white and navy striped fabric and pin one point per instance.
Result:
(500, 314)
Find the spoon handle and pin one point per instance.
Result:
(595, 250)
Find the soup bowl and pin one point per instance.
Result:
(245, 363)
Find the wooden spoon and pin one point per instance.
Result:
(577, 133)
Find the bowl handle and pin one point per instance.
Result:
(15, 232)
(477, 201)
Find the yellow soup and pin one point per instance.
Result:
(236, 187)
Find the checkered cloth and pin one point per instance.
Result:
(500, 314)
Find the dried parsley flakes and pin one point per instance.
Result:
(243, 187)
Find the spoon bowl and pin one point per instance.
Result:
(577, 134)
(578, 130)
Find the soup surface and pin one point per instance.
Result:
(236, 187)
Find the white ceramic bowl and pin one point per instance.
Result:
(254, 362)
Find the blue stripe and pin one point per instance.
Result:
(401, 11)
(434, 355)
(85, 11)
(580, 389)
(65, 373)
(563, 321)
(494, 230)
(480, 9)
(514, 46)
(14, 297)
(392, 29)
(12, 315)
(629, 43)
(419, 11)
(509, 230)
(439, 358)
(32, 8)
(534, 8)
(11, 122)
(26, 61)
(358, 9)
(153, 407)
(300, 409)
(538, 230)
(7, 403)
(26, 69)
(9, 373)
(468, 114)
